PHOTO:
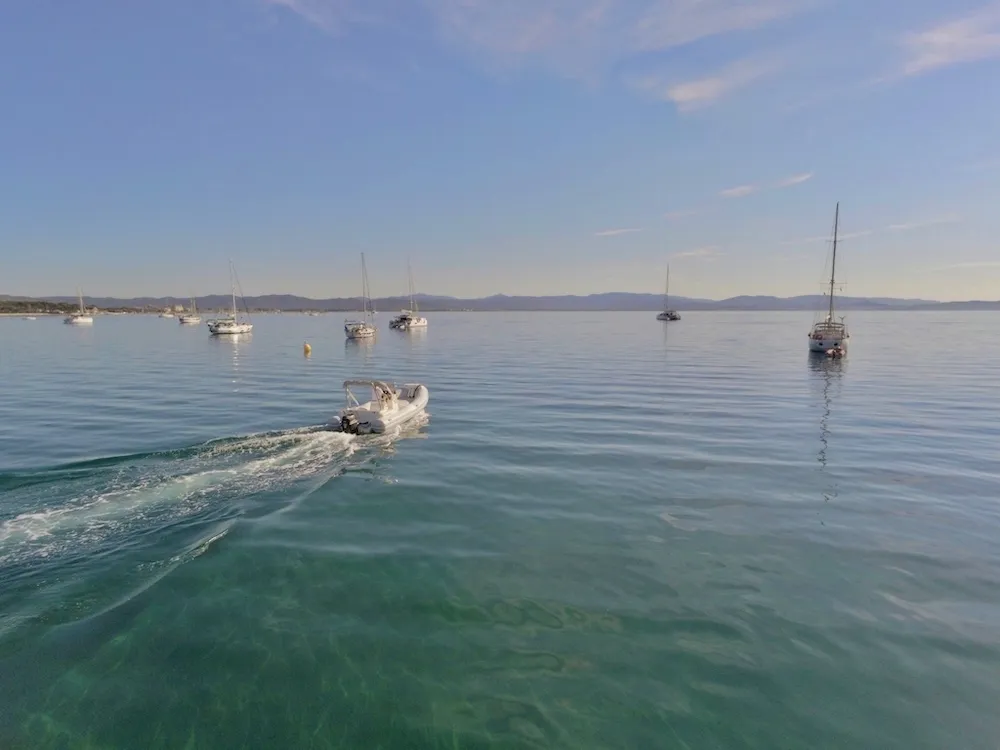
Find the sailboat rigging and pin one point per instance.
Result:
(82, 317)
(365, 328)
(829, 336)
(409, 319)
(667, 313)
(231, 324)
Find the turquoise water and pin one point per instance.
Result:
(607, 533)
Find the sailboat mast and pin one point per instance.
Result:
(666, 291)
(79, 294)
(364, 286)
(833, 264)
(409, 274)
(232, 284)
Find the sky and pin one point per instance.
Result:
(502, 146)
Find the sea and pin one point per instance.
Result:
(606, 532)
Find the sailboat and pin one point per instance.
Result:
(829, 336)
(667, 313)
(409, 319)
(82, 317)
(362, 329)
(191, 316)
(231, 324)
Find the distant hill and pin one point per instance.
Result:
(500, 302)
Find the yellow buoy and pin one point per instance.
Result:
(306, 349)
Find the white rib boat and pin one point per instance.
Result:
(365, 328)
(81, 318)
(388, 407)
(231, 325)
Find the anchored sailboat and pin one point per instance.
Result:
(82, 317)
(191, 316)
(829, 336)
(362, 329)
(231, 324)
(667, 313)
(409, 319)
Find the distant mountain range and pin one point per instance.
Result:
(593, 302)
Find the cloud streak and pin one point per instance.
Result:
(576, 38)
(795, 179)
(949, 219)
(968, 265)
(900, 227)
(971, 38)
(616, 232)
(739, 191)
(706, 251)
(698, 93)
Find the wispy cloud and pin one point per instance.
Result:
(580, 38)
(949, 219)
(739, 191)
(984, 165)
(969, 264)
(968, 39)
(706, 251)
(695, 94)
(900, 227)
(795, 179)
(616, 232)
(329, 15)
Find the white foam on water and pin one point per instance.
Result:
(171, 488)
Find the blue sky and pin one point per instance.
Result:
(506, 146)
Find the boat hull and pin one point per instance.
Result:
(411, 398)
(825, 344)
(185, 320)
(79, 320)
(229, 329)
(359, 330)
(406, 324)
(668, 315)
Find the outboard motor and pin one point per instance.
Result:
(349, 423)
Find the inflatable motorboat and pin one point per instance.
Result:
(390, 406)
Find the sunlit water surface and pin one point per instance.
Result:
(608, 532)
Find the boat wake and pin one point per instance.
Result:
(81, 508)
(79, 538)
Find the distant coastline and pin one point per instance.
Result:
(609, 302)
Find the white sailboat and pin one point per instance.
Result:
(829, 336)
(191, 316)
(409, 319)
(362, 329)
(82, 317)
(667, 313)
(231, 324)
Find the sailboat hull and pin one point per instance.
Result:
(825, 344)
(668, 315)
(225, 328)
(359, 330)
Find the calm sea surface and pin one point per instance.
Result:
(609, 532)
